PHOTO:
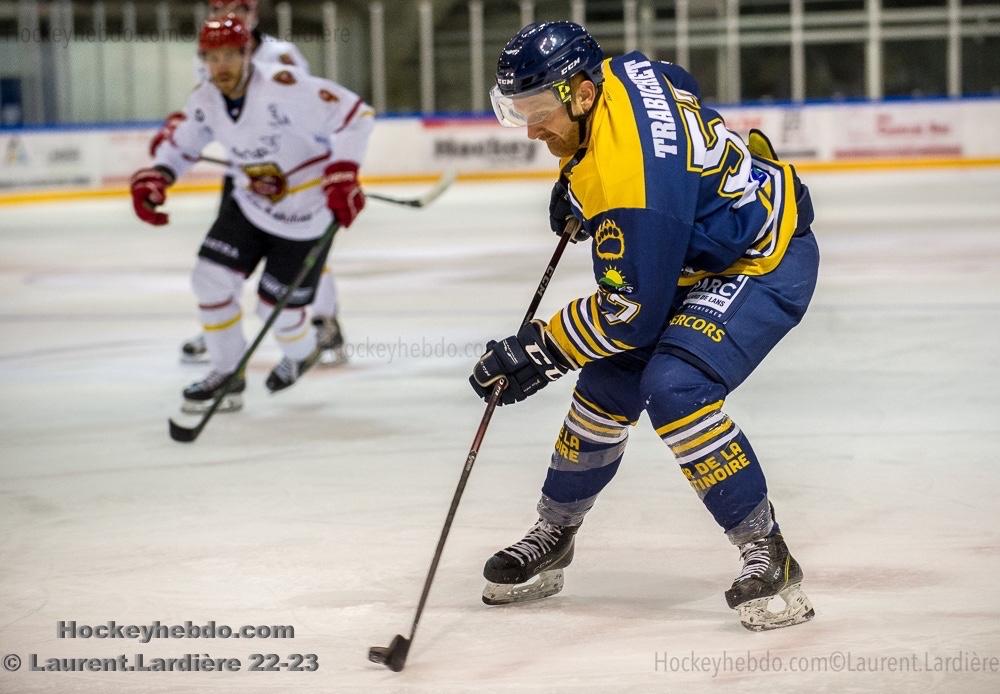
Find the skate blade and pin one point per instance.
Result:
(545, 584)
(332, 357)
(194, 358)
(756, 615)
(233, 402)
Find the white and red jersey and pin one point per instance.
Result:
(292, 125)
(270, 51)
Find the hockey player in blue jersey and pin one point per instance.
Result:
(703, 260)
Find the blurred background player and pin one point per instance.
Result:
(703, 259)
(266, 50)
(280, 128)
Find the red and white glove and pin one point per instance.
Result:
(166, 131)
(149, 191)
(343, 193)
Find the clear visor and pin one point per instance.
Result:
(529, 108)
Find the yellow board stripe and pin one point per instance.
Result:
(885, 164)
(215, 327)
(716, 431)
(684, 421)
(599, 410)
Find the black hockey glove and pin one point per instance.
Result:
(529, 360)
(560, 211)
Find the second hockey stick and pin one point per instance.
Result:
(424, 200)
(188, 434)
(394, 655)
(442, 184)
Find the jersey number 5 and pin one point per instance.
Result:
(713, 150)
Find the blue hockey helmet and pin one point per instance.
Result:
(539, 61)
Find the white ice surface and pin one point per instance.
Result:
(877, 423)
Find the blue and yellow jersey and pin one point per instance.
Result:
(669, 195)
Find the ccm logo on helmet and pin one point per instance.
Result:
(571, 66)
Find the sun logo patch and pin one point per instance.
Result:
(613, 280)
(609, 241)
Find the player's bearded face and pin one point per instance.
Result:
(225, 65)
(557, 131)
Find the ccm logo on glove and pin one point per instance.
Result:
(529, 361)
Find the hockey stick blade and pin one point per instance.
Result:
(183, 434)
(442, 185)
(424, 200)
(393, 656)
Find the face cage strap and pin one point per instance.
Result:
(583, 118)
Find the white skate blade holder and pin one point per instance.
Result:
(545, 584)
(758, 615)
(194, 358)
(233, 402)
(332, 357)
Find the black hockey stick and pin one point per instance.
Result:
(188, 434)
(394, 655)
(424, 200)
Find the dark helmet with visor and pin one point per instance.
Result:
(535, 68)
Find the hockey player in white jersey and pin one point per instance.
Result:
(294, 143)
(266, 50)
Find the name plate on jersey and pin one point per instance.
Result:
(717, 294)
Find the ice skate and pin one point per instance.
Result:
(769, 572)
(330, 340)
(198, 396)
(531, 568)
(194, 351)
(288, 371)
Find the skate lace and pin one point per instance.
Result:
(213, 380)
(539, 540)
(756, 557)
(286, 369)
